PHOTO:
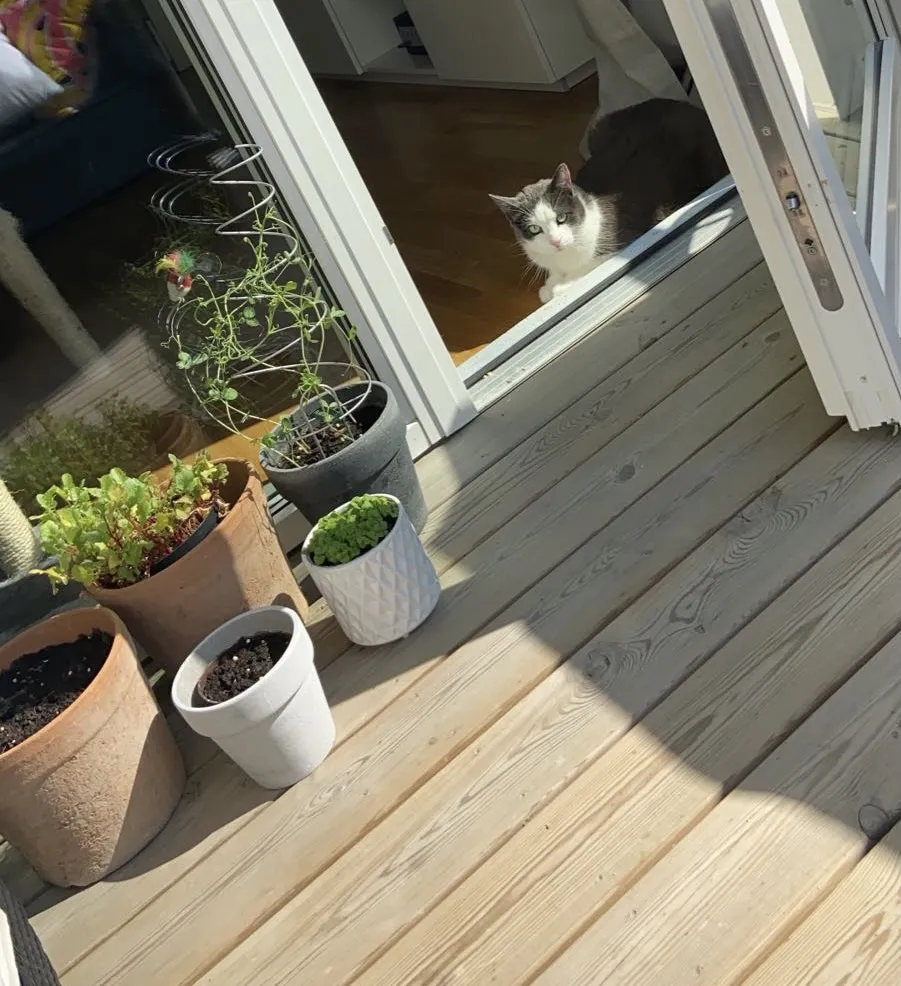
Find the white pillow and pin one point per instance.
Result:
(24, 88)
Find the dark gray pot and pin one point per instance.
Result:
(27, 599)
(378, 462)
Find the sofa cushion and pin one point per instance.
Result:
(51, 34)
(24, 88)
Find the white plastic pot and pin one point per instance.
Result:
(386, 593)
(278, 730)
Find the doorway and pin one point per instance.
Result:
(441, 105)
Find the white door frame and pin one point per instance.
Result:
(264, 76)
(852, 351)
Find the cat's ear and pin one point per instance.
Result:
(562, 178)
(508, 206)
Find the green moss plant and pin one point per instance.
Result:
(347, 533)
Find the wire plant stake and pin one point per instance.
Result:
(235, 324)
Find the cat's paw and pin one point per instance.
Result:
(545, 293)
(562, 288)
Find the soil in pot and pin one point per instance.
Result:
(243, 664)
(327, 439)
(37, 687)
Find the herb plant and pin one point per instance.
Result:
(110, 535)
(344, 535)
(122, 435)
(268, 318)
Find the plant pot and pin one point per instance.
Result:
(238, 566)
(278, 730)
(87, 792)
(176, 433)
(379, 461)
(26, 599)
(385, 593)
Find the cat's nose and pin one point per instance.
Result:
(555, 243)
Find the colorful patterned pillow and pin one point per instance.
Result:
(51, 34)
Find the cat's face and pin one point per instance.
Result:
(546, 216)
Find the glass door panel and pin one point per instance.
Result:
(831, 40)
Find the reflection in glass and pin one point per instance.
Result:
(830, 40)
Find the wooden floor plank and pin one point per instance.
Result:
(448, 468)
(367, 776)
(362, 681)
(538, 459)
(458, 525)
(728, 892)
(578, 856)
(854, 937)
(342, 920)
(558, 522)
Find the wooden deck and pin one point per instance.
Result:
(650, 737)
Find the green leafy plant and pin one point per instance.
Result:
(122, 435)
(344, 535)
(269, 318)
(112, 534)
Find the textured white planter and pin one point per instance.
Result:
(281, 728)
(386, 593)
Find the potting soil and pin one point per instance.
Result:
(241, 666)
(37, 687)
(331, 439)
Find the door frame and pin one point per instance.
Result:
(263, 74)
(851, 352)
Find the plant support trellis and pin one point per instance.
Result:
(235, 324)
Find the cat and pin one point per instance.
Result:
(646, 161)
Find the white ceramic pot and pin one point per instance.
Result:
(386, 593)
(278, 730)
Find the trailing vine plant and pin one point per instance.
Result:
(269, 316)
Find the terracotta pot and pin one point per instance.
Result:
(177, 433)
(87, 792)
(239, 566)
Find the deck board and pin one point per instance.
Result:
(397, 751)
(665, 574)
(454, 823)
(626, 811)
(768, 852)
(852, 938)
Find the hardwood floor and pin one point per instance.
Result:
(430, 156)
(650, 735)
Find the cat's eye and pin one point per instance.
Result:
(533, 230)
(562, 219)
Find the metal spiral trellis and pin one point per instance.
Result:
(232, 170)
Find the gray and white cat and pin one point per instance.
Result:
(647, 161)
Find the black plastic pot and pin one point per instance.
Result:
(206, 527)
(379, 461)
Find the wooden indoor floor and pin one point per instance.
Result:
(430, 156)
(650, 736)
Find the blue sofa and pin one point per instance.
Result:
(50, 169)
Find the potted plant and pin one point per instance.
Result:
(26, 596)
(89, 771)
(174, 560)
(270, 319)
(252, 687)
(372, 569)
